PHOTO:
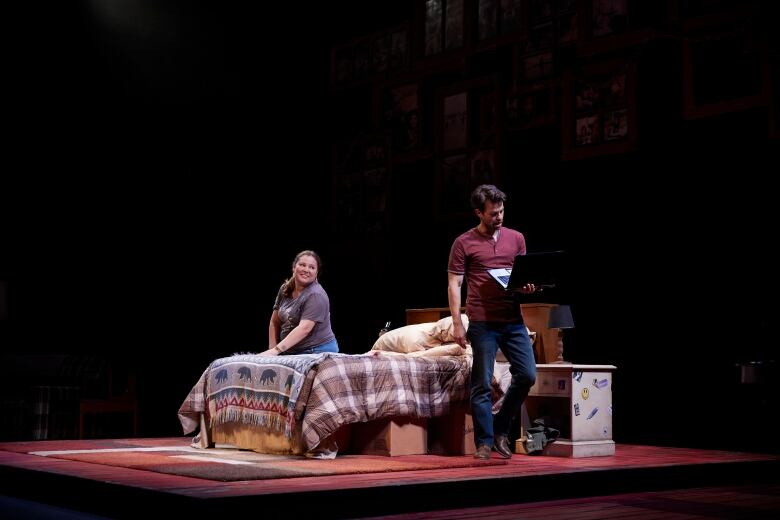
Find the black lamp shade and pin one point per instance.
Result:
(560, 318)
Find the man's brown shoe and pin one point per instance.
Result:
(501, 445)
(483, 452)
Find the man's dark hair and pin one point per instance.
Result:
(486, 192)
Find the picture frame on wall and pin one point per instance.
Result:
(343, 62)
(375, 200)
(467, 141)
(453, 24)
(487, 19)
(722, 73)
(609, 17)
(530, 106)
(403, 116)
(434, 33)
(587, 130)
(539, 10)
(399, 48)
(599, 113)
(483, 168)
(380, 53)
(510, 16)
(615, 124)
(346, 201)
(453, 187)
(537, 66)
(361, 184)
(455, 121)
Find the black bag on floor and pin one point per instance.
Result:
(539, 436)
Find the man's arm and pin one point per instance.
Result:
(454, 283)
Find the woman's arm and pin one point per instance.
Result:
(295, 336)
(273, 329)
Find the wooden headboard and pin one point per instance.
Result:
(535, 315)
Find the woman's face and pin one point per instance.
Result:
(305, 270)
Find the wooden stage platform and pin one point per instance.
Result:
(118, 492)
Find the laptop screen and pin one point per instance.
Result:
(544, 270)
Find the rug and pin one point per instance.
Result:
(229, 464)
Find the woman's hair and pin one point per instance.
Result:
(486, 192)
(289, 285)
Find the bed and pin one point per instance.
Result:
(297, 404)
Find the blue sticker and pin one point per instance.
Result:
(592, 413)
(577, 409)
(577, 376)
(600, 384)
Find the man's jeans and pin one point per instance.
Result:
(486, 338)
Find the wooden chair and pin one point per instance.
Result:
(124, 401)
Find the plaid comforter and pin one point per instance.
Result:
(321, 392)
(258, 390)
(348, 389)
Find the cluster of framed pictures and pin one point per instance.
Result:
(600, 110)
(466, 142)
(550, 25)
(520, 70)
(386, 51)
(530, 106)
(444, 26)
(498, 17)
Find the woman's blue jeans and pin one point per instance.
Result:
(486, 339)
(330, 346)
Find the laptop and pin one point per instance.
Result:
(542, 269)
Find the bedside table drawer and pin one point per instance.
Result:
(552, 383)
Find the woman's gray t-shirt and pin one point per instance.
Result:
(312, 304)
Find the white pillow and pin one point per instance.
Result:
(442, 329)
(410, 338)
(418, 337)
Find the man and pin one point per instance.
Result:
(495, 321)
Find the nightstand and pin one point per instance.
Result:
(578, 401)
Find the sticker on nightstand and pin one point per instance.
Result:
(609, 410)
(592, 413)
(577, 409)
(561, 384)
(585, 393)
(577, 376)
(600, 384)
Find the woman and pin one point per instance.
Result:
(300, 323)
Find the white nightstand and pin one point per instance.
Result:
(578, 401)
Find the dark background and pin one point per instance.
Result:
(168, 161)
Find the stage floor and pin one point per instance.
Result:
(129, 493)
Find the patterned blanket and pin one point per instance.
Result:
(348, 389)
(263, 391)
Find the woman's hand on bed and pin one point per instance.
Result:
(271, 352)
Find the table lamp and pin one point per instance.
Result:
(560, 318)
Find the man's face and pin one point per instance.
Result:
(492, 216)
